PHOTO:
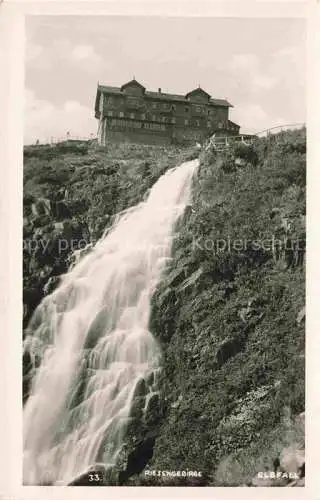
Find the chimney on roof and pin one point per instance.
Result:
(159, 90)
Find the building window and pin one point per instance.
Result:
(198, 109)
(132, 116)
(173, 107)
(121, 114)
(209, 112)
(109, 113)
(209, 124)
(133, 102)
(220, 125)
(173, 120)
(198, 123)
(186, 122)
(163, 119)
(143, 116)
(154, 118)
(186, 110)
(154, 105)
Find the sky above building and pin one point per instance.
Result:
(259, 65)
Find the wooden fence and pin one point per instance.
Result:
(280, 128)
(57, 140)
(221, 143)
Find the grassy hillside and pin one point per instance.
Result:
(229, 315)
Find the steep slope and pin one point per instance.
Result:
(228, 314)
(230, 317)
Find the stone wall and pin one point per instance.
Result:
(148, 136)
(134, 136)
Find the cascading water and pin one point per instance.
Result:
(91, 335)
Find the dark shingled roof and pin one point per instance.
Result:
(199, 90)
(220, 102)
(233, 123)
(107, 89)
(132, 82)
(163, 95)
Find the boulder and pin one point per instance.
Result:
(58, 226)
(301, 315)
(150, 379)
(138, 459)
(300, 419)
(228, 349)
(240, 162)
(41, 207)
(97, 329)
(292, 459)
(136, 412)
(153, 413)
(61, 211)
(177, 402)
(141, 388)
(276, 211)
(51, 284)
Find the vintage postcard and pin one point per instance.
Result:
(162, 338)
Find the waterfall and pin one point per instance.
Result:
(91, 337)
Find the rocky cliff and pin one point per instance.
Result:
(72, 192)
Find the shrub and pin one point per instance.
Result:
(243, 299)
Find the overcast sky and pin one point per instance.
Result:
(257, 64)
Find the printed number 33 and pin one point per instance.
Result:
(94, 477)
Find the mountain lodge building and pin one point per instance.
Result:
(132, 113)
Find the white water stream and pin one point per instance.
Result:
(92, 336)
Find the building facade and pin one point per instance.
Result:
(132, 113)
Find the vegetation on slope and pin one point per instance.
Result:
(229, 315)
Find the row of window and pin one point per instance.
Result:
(131, 101)
(155, 126)
(167, 106)
(126, 123)
(135, 102)
(198, 123)
(142, 116)
(135, 124)
(163, 105)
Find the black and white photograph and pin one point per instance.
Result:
(164, 237)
